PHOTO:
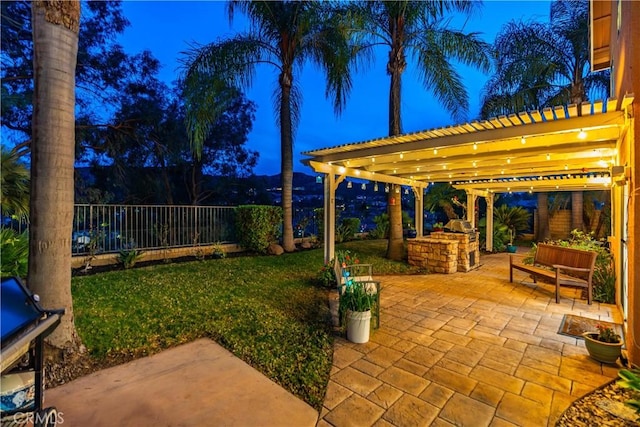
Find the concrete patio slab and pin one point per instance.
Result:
(196, 384)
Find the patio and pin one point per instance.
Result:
(466, 349)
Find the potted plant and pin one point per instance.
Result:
(356, 302)
(438, 226)
(605, 345)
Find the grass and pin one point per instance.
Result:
(266, 310)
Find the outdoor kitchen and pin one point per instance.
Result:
(455, 249)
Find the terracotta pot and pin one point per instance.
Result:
(604, 352)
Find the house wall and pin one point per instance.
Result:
(625, 50)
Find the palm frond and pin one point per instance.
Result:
(433, 50)
(14, 184)
(209, 72)
(539, 65)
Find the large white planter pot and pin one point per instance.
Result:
(358, 326)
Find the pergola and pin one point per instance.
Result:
(566, 148)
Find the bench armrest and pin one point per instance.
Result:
(566, 267)
(513, 257)
(359, 268)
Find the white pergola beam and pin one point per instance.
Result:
(540, 185)
(319, 167)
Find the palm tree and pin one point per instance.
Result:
(543, 64)
(419, 27)
(284, 35)
(14, 183)
(55, 35)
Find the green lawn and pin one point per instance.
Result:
(267, 310)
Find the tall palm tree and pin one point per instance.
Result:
(283, 35)
(55, 28)
(543, 64)
(419, 28)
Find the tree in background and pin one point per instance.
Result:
(55, 42)
(419, 27)
(543, 64)
(283, 35)
(151, 155)
(101, 66)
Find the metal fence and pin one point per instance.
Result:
(112, 228)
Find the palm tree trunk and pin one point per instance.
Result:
(577, 209)
(55, 40)
(395, 245)
(286, 168)
(543, 217)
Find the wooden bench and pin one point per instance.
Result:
(360, 273)
(569, 266)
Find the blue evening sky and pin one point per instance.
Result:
(167, 28)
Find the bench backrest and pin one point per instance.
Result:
(551, 254)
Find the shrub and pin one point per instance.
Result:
(347, 229)
(14, 253)
(630, 378)
(327, 275)
(382, 227)
(218, 252)
(515, 218)
(258, 226)
(352, 224)
(500, 235)
(318, 217)
(129, 257)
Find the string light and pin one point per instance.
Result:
(349, 185)
(523, 140)
(548, 156)
(406, 191)
(582, 134)
(364, 186)
(435, 151)
(475, 145)
(375, 187)
(386, 188)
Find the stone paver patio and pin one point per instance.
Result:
(465, 349)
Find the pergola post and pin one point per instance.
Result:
(331, 183)
(489, 228)
(419, 210)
